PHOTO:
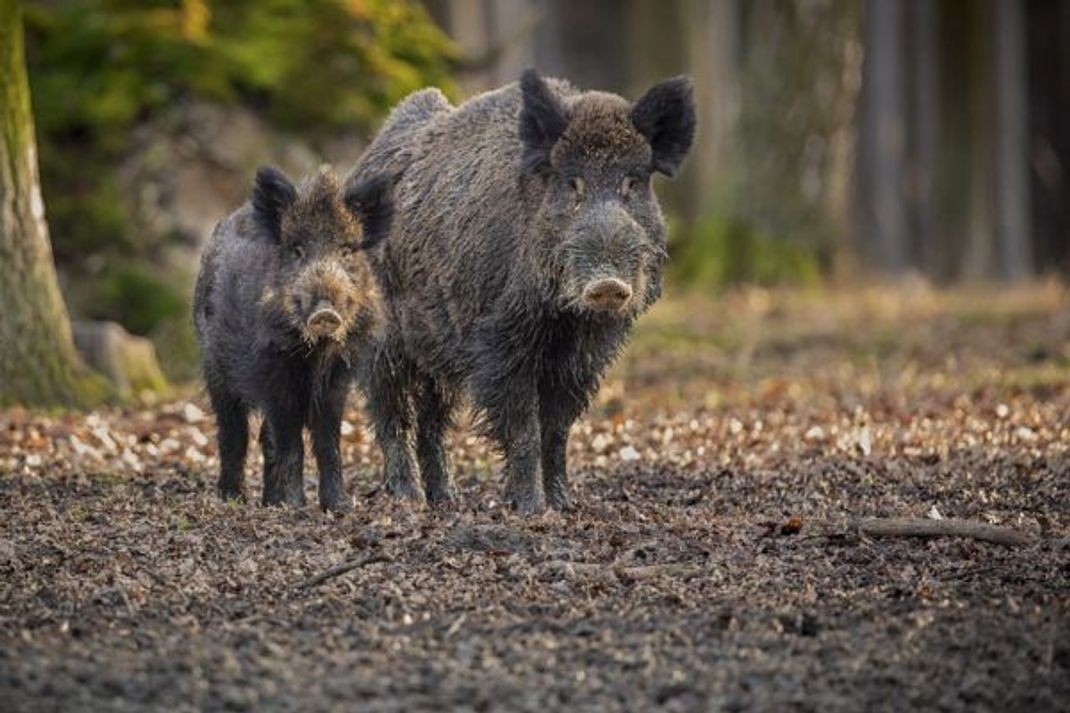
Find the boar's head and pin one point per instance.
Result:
(599, 229)
(322, 281)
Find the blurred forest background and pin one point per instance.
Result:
(838, 138)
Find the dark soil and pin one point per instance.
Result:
(711, 564)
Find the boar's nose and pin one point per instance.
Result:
(608, 294)
(324, 320)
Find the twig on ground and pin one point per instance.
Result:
(347, 566)
(610, 573)
(923, 527)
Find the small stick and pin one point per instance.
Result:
(347, 566)
(921, 527)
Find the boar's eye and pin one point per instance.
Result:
(298, 251)
(627, 186)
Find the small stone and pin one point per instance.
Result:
(192, 413)
(628, 453)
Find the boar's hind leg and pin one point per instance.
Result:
(390, 404)
(284, 473)
(325, 421)
(433, 418)
(232, 421)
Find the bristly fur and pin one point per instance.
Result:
(251, 307)
(507, 208)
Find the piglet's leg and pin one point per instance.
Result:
(325, 421)
(284, 480)
(232, 420)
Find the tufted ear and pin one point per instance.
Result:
(372, 202)
(542, 121)
(665, 115)
(273, 193)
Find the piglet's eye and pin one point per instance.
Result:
(627, 186)
(348, 249)
(577, 185)
(297, 251)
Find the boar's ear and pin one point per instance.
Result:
(665, 115)
(542, 121)
(272, 195)
(372, 202)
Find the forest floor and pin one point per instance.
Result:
(711, 564)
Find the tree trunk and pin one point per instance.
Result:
(882, 145)
(38, 362)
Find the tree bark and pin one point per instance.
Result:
(38, 362)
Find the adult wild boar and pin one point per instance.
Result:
(285, 301)
(526, 240)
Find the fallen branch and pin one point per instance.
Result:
(922, 527)
(347, 566)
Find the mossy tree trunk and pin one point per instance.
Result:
(38, 362)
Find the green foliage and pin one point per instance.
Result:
(139, 300)
(726, 251)
(100, 68)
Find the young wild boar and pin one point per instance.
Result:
(284, 303)
(526, 240)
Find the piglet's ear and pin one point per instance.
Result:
(372, 202)
(273, 194)
(542, 121)
(665, 115)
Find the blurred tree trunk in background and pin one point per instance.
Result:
(1012, 152)
(1048, 71)
(882, 139)
(38, 361)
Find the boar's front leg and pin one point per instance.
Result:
(388, 389)
(325, 422)
(284, 473)
(512, 408)
(433, 418)
(554, 473)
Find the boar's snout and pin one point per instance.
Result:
(607, 295)
(324, 320)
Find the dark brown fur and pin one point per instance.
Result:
(269, 269)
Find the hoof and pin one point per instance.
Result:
(442, 494)
(338, 505)
(228, 494)
(405, 490)
(526, 503)
(561, 501)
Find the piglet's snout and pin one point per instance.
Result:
(324, 319)
(607, 294)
